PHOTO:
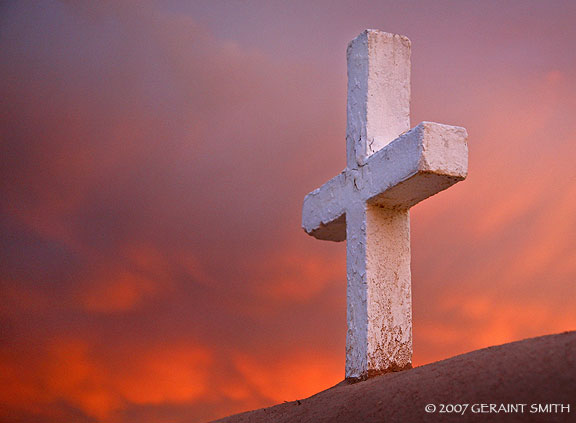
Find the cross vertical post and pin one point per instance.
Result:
(378, 247)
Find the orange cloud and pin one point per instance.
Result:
(167, 374)
(287, 377)
(78, 373)
(117, 291)
(290, 275)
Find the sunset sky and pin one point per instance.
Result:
(155, 155)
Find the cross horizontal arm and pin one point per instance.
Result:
(418, 164)
(323, 213)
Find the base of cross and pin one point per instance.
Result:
(372, 373)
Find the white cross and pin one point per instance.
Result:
(389, 169)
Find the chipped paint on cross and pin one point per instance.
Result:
(389, 169)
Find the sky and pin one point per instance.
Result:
(154, 158)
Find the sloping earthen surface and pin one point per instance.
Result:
(536, 372)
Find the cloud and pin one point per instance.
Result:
(137, 173)
(98, 384)
(291, 376)
(289, 275)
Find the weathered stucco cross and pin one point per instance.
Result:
(389, 169)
